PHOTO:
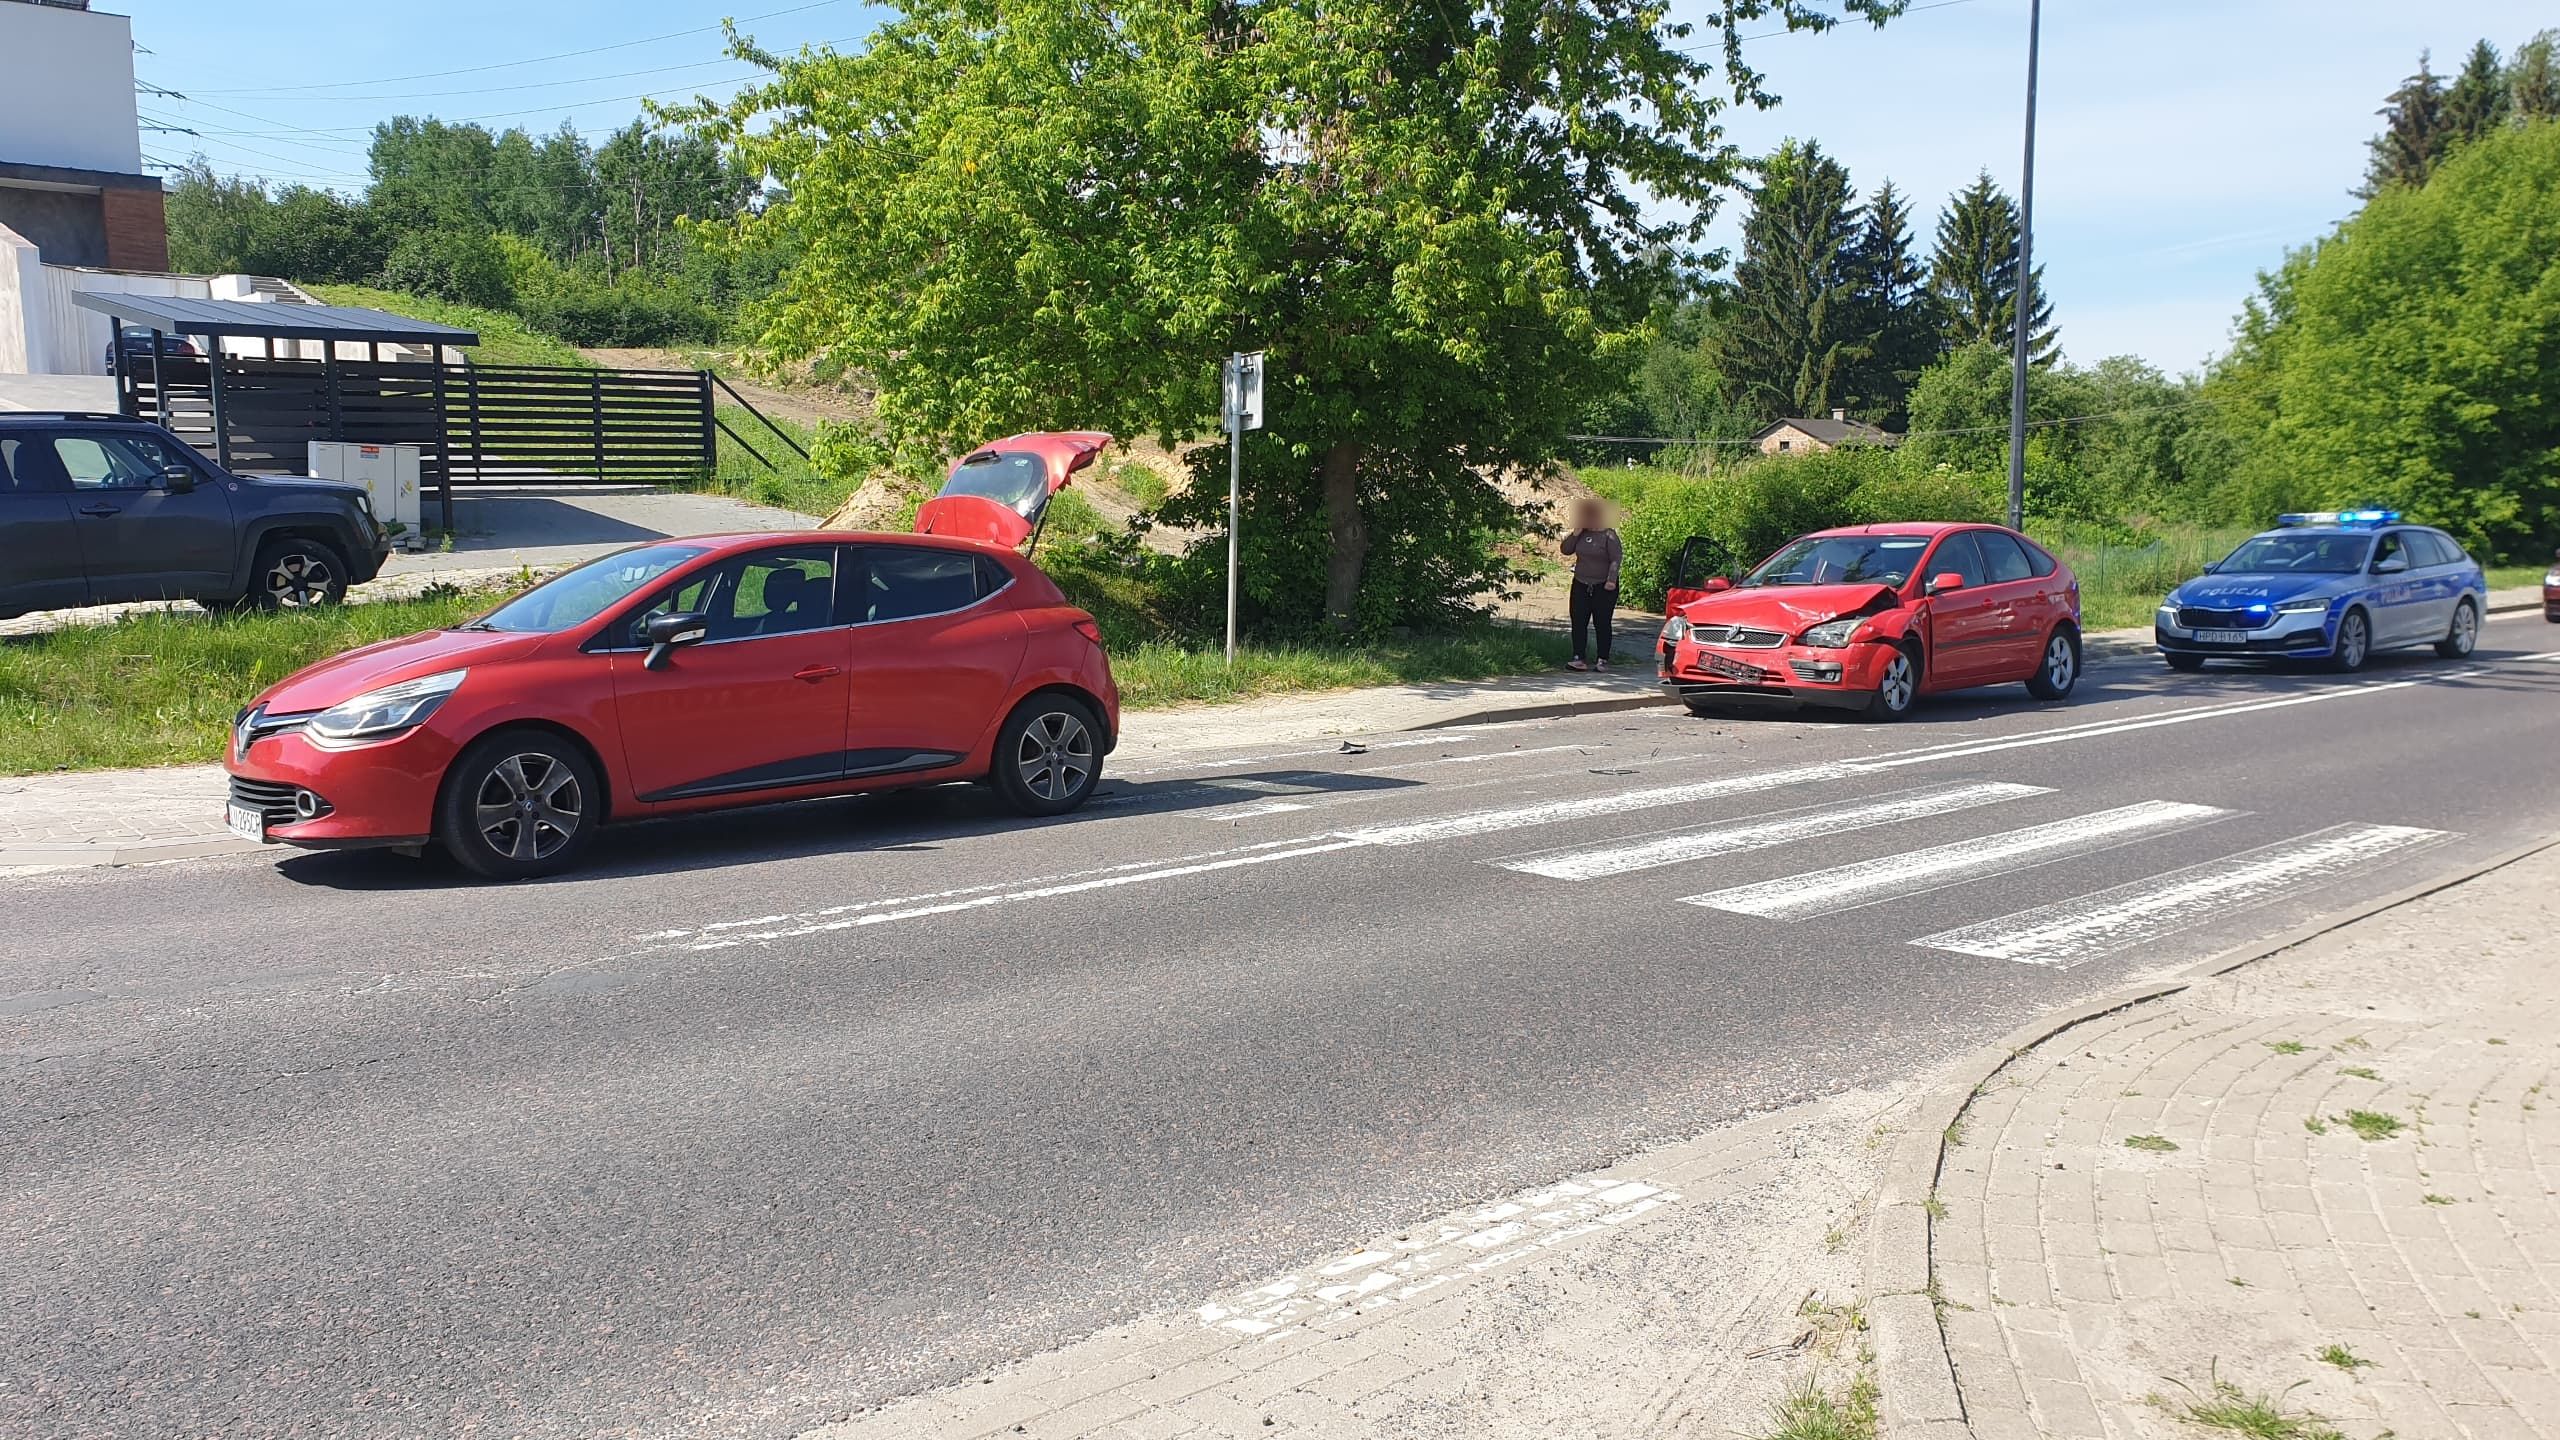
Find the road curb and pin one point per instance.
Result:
(1920, 1398)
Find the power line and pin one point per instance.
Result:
(533, 60)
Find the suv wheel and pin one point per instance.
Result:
(518, 804)
(296, 574)
(2354, 644)
(1048, 755)
(2465, 634)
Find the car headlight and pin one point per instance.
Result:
(2552, 578)
(386, 711)
(1675, 630)
(1832, 634)
(2303, 607)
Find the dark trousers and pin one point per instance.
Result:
(1594, 606)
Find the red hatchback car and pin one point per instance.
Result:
(1871, 617)
(686, 675)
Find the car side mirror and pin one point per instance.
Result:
(2392, 566)
(665, 632)
(2212, 565)
(1715, 583)
(177, 479)
(1941, 584)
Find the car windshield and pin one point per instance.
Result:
(1842, 560)
(1015, 480)
(2298, 555)
(574, 597)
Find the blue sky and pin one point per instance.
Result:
(2183, 144)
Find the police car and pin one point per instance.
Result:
(2334, 585)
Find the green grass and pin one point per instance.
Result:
(2361, 1072)
(2372, 1124)
(504, 340)
(2159, 1144)
(160, 689)
(2342, 1357)
(2123, 578)
(2287, 1047)
(781, 479)
(1812, 1413)
(2263, 1417)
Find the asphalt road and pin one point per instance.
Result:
(763, 1117)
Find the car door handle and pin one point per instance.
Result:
(101, 511)
(816, 672)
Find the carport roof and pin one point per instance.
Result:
(180, 316)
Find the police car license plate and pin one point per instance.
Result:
(246, 823)
(2222, 637)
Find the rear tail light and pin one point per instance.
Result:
(1088, 628)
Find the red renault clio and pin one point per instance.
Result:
(687, 675)
(1872, 617)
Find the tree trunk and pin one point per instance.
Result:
(1350, 533)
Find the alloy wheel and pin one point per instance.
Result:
(528, 806)
(299, 579)
(2466, 629)
(2059, 663)
(1055, 756)
(1897, 684)
(2353, 637)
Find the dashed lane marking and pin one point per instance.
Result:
(1697, 843)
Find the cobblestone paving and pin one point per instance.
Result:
(2354, 1145)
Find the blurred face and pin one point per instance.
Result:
(1587, 516)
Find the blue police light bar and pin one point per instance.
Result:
(2341, 517)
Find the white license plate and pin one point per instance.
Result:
(2222, 637)
(246, 823)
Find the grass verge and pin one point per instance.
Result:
(781, 478)
(161, 688)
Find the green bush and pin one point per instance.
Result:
(464, 266)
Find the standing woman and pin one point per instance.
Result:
(1596, 552)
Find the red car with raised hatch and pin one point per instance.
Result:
(1869, 618)
(695, 674)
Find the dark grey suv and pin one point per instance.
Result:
(97, 509)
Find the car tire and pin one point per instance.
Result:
(1899, 689)
(292, 573)
(2189, 663)
(1048, 755)
(2464, 637)
(519, 804)
(2058, 668)
(2354, 644)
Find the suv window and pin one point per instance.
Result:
(2394, 545)
(101, 460)
(770, 592)
(1955, 555)
(905, 582)
(2002, 558)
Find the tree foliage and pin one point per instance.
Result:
(1799, 336)
(1898, 314)
(2411, 358)
(1974, 273)
(1049, 213)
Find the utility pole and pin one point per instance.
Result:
(2025, 296)
(1243, 382)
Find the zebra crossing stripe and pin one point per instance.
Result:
(1487, 822)
(2136, 914)
(1845, 887)
(1700, 842)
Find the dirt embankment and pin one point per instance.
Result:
(800, 403)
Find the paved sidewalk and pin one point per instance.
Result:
(2325, 1182)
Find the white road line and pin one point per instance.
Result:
(1674, 847)
(1845, 887)
(1486, 822)
(1229, 762)
(1044, 892)
(2121, 727)
(2144, 911)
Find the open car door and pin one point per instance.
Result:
(1698, 573)
(997, 493)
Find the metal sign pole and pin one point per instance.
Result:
(1243, 412)
(2026, 288)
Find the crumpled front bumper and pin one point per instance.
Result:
(1846, 678)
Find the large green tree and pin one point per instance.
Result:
(1797, 336)
(1974, 274)
(1049, 212)
(2478, 100)
(2412, 358)
(2533, 78)
(2413, 134)
(1900, 313)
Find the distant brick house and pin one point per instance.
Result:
(1792, 436)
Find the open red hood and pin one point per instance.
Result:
(341, 678)
(997, 493)
(1790, 608)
